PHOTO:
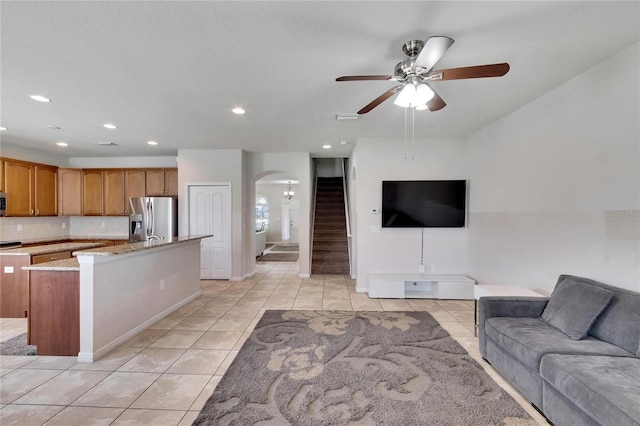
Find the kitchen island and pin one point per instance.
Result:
(14, 286)
(122, 290)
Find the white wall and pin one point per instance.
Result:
(35, 156)
(555, 186)
(398, 250)
(216, 166)
(122, 162)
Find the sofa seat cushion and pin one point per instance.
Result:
(606, 388)
(528, 339)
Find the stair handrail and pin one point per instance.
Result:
(346, 201)
(347, 214)
(313, 211)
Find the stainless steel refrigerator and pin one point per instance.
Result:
(153, 218)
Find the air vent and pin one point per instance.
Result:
(106, 143)
(346, 116)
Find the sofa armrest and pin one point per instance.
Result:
(506, 306)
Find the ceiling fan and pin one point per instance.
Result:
(414, 73)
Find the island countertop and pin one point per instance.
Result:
(49, 248)
(134, 247)
(57, 265)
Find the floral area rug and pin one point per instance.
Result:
(356, 368)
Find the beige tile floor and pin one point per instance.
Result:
(164, 375)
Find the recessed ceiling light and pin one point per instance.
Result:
(326, 146)
(40, 98)
(238, 110)
(152, 143)
(62, 143)
(343, 142)
(3, 128)
(110, 126)
(51, 126)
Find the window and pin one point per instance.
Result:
(262, 214)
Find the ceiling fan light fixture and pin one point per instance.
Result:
(422, 107)
(423, 95)
(406, 96)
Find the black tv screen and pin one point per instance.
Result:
(424, 204)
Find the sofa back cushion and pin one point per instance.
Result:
(619, 323)
(575, 305)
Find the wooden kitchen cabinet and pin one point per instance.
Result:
(92, 190)
(135, 186)
(45, 190)
(162, 183)
(31, 188)
(70, 191)
(113, 192)
(54, 307)
(14, 291)
(18, 178)
(171, 182)
(50, 257)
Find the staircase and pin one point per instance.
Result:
(330, 252)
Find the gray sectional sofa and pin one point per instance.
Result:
(575, 355)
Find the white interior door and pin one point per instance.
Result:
(294, 216)
(290, 220)
(210, 213)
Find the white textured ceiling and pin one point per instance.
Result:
(171, 71)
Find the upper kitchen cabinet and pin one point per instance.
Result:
(45, 190)
(92, 190)
(103, 192)
(134, 184)
(162, 182)
(113, 192)
(70, 191)
(31, 188)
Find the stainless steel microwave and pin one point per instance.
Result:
(3, 203)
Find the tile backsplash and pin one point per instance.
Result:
(100, 226)
(38, 228)
(30, 228)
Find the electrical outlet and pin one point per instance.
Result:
(64, 225)
(421, 269)
(19, 227)
(161, 284)
(433, 268)
(104, 224)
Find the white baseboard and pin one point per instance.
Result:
(91, 357)
(304, 275)
(361, 290)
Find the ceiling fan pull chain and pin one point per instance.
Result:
(405, 134)
(413, 133)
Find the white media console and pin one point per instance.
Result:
(406, 286)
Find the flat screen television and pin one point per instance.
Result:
(424, 204)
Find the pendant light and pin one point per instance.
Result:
(288, 194)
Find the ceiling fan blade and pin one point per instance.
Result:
(434, 48)
(479, 71)
(380, 99)
(436, 103)
(364, 77)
